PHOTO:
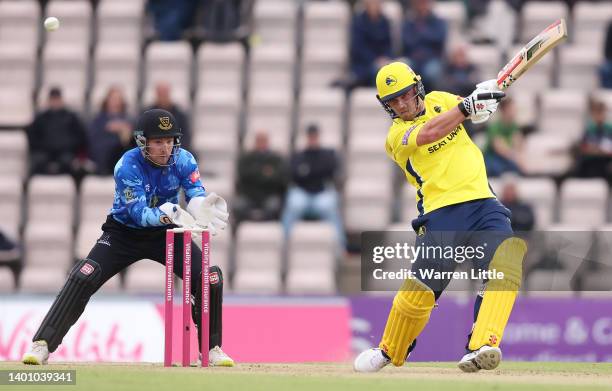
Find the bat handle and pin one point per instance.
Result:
(497, 95)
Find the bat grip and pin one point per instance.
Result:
(497, 95)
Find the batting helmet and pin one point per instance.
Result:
(395, 79)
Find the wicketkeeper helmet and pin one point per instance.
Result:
(158, 123)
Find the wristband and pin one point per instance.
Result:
(463, 109)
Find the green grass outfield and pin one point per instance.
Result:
(523, 376)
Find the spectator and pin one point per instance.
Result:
(172, 17)
(370, 43)
(10, 255)
(523, 218)
(459, 75)
(58, 139)
(312, 193)
(225, 20)
(163, 100)
(423, 39)
(262, 182)
(595, 149)
(606, 67)
(110, 134)
(503, 150)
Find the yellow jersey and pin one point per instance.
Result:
(447, 171)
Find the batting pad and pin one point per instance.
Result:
(500, 294)
(407, 318)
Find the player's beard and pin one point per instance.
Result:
(417, 109)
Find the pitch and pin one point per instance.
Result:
(526, 376)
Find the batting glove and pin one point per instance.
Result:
(210, 212)
(479, 106)
(489, 85)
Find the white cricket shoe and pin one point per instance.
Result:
(486, 357)
(371, 360)
(218, 358)
(38, 354)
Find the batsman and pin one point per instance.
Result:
(147, 183)
(456, 207)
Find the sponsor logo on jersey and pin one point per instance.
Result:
(407, 134)
(129, 194)
(194, 176)
(437, 109)
(87, 269)
(164, 123)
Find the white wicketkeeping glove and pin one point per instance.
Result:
(479, 106)
(210, 212)
(178, 215)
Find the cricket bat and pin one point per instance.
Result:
(531, 53)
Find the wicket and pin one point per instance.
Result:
(186, 297)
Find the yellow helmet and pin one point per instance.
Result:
(396, 79)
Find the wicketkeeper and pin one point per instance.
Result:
(147, 183)
(456, 208)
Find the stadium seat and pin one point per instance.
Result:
(18, 65)
(562, 113)
(86, 236)
(323, 107)
(590, 20)
(393, 10)
(111, 286)
(7, 280)
(579, 66)
(47, 280)
(169, 62)
(537, 15)
(120, 21)
(487, 59)
(66, 66)
(19, 22)
(584, 201)
(453, 12)
(540, 193)
(48, 245)
(51, 199)
(367, 119)
(115, 65)
(258, 258)
(76, 22)
(11, 196)
(325, 42)
(275, 21)
(367, 203)
(17, 109)
(220, 68)
(548, 154)
(272, 68)
(96, 198)
(526, 103)
(217, 113)
(326, 23)
(147, 277)
(312, 261)
(367, 159)
(270, 111)
(13, 153)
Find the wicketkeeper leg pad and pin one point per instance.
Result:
(499, 294)
(216, 306)
(412, 306)
(84, 280)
